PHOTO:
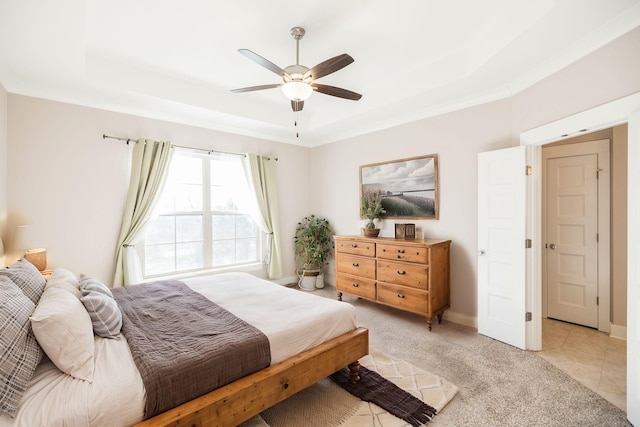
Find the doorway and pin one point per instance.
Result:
(576, 230)
(592, 358)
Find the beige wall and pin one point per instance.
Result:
(607, 74)
(456, 138)
(70, 184)
(3, 169)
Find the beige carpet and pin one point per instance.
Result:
(326, 404)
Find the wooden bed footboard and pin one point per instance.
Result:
(242, 399)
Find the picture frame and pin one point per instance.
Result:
(409, 231)
(409, 187)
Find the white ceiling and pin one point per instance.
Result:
(178, 60)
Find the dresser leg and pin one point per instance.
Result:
(440, 318)
(429, 322)
(339, 296)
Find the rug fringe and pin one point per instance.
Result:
(374, 388)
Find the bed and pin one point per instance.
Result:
(309, 338)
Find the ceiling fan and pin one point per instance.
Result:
(298, 81)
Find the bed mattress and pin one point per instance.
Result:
(292, 321)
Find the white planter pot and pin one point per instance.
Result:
(308, 279)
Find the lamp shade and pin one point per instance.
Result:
(24, 238)
(297, 91)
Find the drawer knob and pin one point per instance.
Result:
(402, 272)
(400, 295)
(355, 285)
(400, 251)
(354, 245)
(355, 264)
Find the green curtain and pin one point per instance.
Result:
(149, 166)
(263, 184)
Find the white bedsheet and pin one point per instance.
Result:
(292, 321)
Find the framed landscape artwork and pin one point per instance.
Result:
(408, 187)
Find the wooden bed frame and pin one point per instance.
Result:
(242, 399)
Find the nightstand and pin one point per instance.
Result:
(46, 273)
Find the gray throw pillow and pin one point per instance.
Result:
(88, 284)
(105, 314)
(19, 350)
(27, 277)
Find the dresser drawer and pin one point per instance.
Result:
(404, 298)
(403, 253)
(356, 247)
(356, 266)
(356, 286)
(404, 273)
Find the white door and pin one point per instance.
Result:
(571, 241)
(633, 273)
(502, 195)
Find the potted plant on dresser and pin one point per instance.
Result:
(312, 243)
(371, 208)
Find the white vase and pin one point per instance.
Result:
(320, 281)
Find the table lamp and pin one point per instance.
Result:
(24, 240)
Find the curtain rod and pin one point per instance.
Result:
(127, 140)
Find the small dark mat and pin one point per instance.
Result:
(374, 388)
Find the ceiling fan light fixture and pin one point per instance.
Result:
(297, 91)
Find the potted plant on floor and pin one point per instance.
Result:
(312, 243)
(371, 208)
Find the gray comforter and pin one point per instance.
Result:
(183, 344)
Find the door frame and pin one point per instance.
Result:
(602, 148)
(622, 110)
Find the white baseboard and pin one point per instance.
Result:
(619, 332)
(286, 280)
(461, 319)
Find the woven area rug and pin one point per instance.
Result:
(325, 404)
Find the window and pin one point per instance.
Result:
(203, 218)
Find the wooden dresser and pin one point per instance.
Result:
(411, 275)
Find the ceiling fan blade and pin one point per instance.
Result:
(329, 66)
(264, 62)
(252, 88)
(336, 91)
(297, 105)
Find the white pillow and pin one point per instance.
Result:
(63, 329)
(62, 278)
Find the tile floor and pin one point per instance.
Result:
(591, 357)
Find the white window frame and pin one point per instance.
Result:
(207, 225)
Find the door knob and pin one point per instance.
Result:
(552, 246)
